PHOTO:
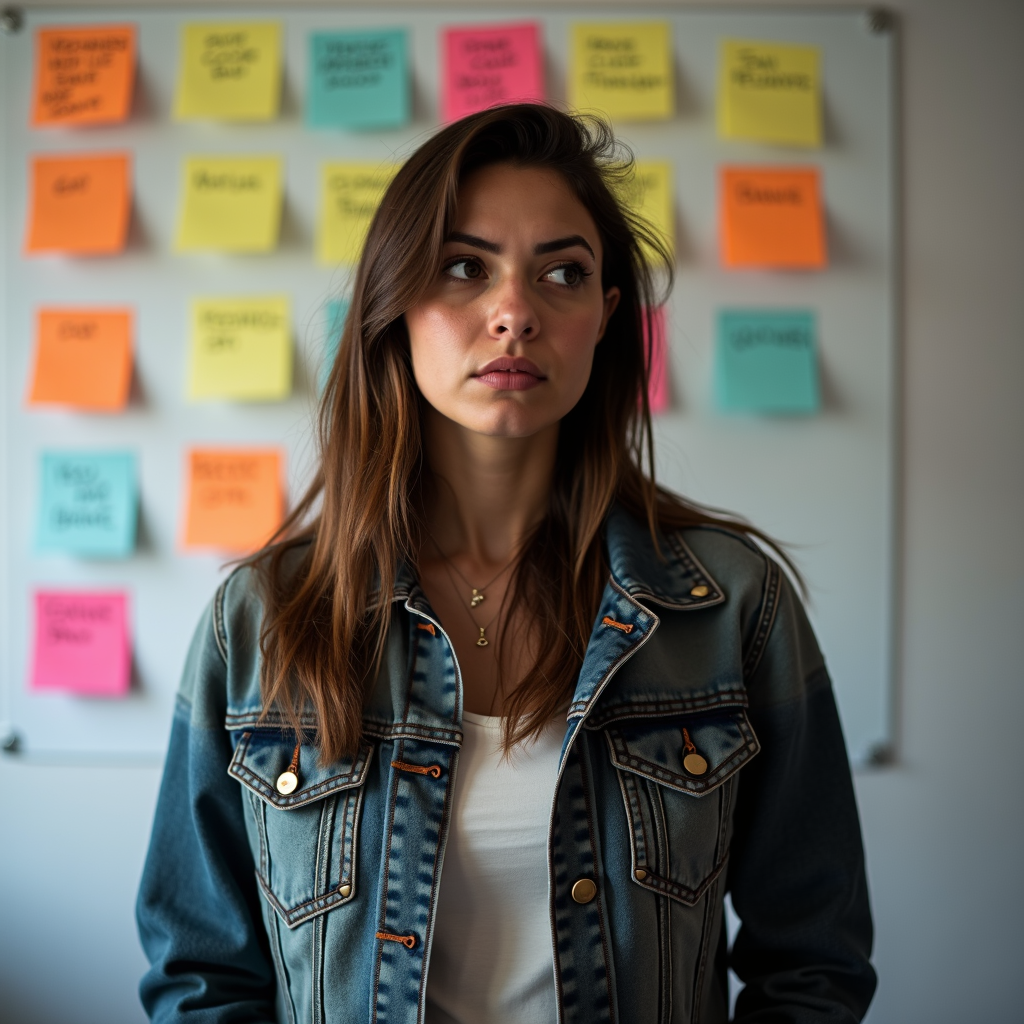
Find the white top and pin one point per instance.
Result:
(491, 959)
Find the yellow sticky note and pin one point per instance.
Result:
(229, 71)
(623, 70)
(240, 349)
(769, 92)
(650, 194)
(349, 196)
(230, 204)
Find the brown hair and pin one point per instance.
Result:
(324, 630)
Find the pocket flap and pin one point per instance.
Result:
(262, 755)
(656, 749)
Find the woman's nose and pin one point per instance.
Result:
(512, 316)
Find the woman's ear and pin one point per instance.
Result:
(611, 302)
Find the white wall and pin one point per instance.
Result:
(945, 830)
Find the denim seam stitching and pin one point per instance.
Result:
(220, 634)
(766, 620)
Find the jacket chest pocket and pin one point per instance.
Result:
(677, 778)
(308, 837)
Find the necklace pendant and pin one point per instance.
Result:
(476, 598)
(482, 640)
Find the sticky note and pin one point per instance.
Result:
(658, 397)
(240, 349)
(336, 312)
(771, 217)
(766, 362)
(82, 643)
(230, 204)
(88, 504)
(82, 359)
(83, 75)
(769, 92)
(650, 194)
(79, 205)
(234, 501)
(358, 80)
(489, 65)
(623, 70)
(349, 195)
(229, 71)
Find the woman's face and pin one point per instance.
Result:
(503, 342)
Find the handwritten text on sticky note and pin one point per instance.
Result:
(79, 205)
(230, 204)
(240, 349)
(350, 194)
(83, 75)
(234, 498)
(623, 70)
(229, 71)
(772, 217)
(83, 358)
(88, 504)
(769, 92)
(81, 643)
(489, 65)
(766, 362)
(358, 80)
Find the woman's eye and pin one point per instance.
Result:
(464, 270)
(570, 274)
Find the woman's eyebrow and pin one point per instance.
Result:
(563, 243)
(474, 240)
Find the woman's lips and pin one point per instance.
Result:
(510, 374)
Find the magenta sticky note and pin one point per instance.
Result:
(81, 643)
(657, 373)
(489, 65)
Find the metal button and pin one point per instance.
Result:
(345, 890)
(584, 890)
(695, 764)
(287, 782)
(640, 874)
(700, 591)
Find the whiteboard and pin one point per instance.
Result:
(824, 484)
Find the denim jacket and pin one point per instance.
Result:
(318, 905)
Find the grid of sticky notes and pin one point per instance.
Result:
(230, 200)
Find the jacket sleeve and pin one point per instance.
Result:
(796, 871)
(198, 909)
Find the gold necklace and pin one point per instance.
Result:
(481, 640)
(478, 595)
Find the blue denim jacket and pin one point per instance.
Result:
(319, 905)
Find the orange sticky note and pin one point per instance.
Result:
(772, 217)
(234, 502)
(79, 204)
(83, 75)
(83, 358)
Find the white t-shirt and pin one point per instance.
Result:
(491, 958)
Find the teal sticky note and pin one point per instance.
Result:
(88, 504)
(766, 361)
(335, 313)
(358, 80)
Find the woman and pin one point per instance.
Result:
(495, 705)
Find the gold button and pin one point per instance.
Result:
(584, 890)
(287, 782)
(345, 890)
(695, 764)
(700, 591)
(640, 874)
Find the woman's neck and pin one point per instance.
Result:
(488, 493)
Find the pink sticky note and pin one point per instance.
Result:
(489, 65)
(81, 643)
(657, 373)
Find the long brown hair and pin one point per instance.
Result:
(326, 580)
